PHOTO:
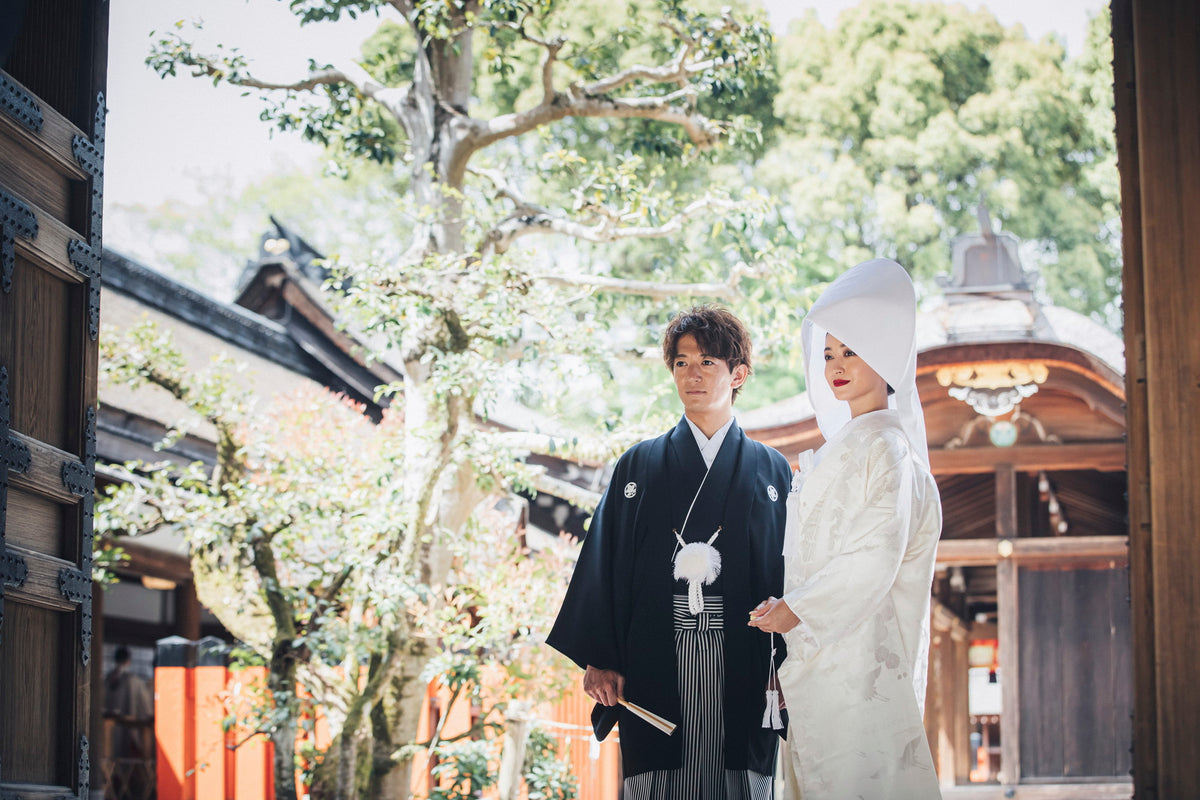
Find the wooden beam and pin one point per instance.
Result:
(1104, 457)
(53, 142)
(51, 247)
(41, 582)
(145, 560)
(1048, 550)
(1117, 790)
(1055, 355)
(44, 475)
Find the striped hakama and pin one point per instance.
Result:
(700, 665)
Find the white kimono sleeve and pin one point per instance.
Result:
(844, 592)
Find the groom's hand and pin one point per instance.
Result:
(773, 616)
(605, 686)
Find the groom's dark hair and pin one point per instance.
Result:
(718, 332)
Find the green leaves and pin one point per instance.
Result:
(548, 775)
(463, 770)
(906, 116)
(332, 10)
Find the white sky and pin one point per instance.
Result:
(166, 136)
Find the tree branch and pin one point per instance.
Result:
(530, 218)
(552, 48)
(593, 450)
(678, 71)
(576, 103)
(652, 289)
(326, 77)
(564, 490)
(594, 100)
(232, 71)
(331, 591)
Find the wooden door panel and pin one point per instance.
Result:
(59, 54)
(36, 666)
(36, 331)
(20, 165)
(51, 203)
(37, 524)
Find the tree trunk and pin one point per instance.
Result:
(281, 681)
(512, 756)
(435, 119)
(395, 724)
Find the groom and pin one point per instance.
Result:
(627, 618)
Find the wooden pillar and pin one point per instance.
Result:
(207, 719)
(174, 709)
(947, 706)
(1157, 89)
(253, 778)
(1007, 615)
(187, 611)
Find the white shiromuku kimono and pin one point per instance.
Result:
(862, 528)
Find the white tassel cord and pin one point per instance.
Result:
(772, 715)
(698, 563)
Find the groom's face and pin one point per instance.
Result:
(704, 382)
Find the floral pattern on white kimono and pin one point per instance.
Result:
(863, 530)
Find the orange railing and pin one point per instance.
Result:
(197, 759)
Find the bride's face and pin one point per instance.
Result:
(852, 379)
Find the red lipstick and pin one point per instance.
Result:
(840, 382)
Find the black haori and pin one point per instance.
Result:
(617, 613)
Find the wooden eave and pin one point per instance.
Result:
(279, 291)
(231, 324)
(1053, 354)
(1082, 401)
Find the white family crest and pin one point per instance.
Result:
(631, 489)
(772, 493)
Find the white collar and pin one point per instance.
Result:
(709, 447)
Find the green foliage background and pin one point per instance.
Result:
(878, 136)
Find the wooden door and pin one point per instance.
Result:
(1076, 685)
(1156, 64)
(52, 58)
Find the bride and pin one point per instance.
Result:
(863, 520)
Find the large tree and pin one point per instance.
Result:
(293, 548)
(904, 116)
(508, 121)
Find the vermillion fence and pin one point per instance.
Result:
(202, 757)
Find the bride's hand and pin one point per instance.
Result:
(773, 616)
